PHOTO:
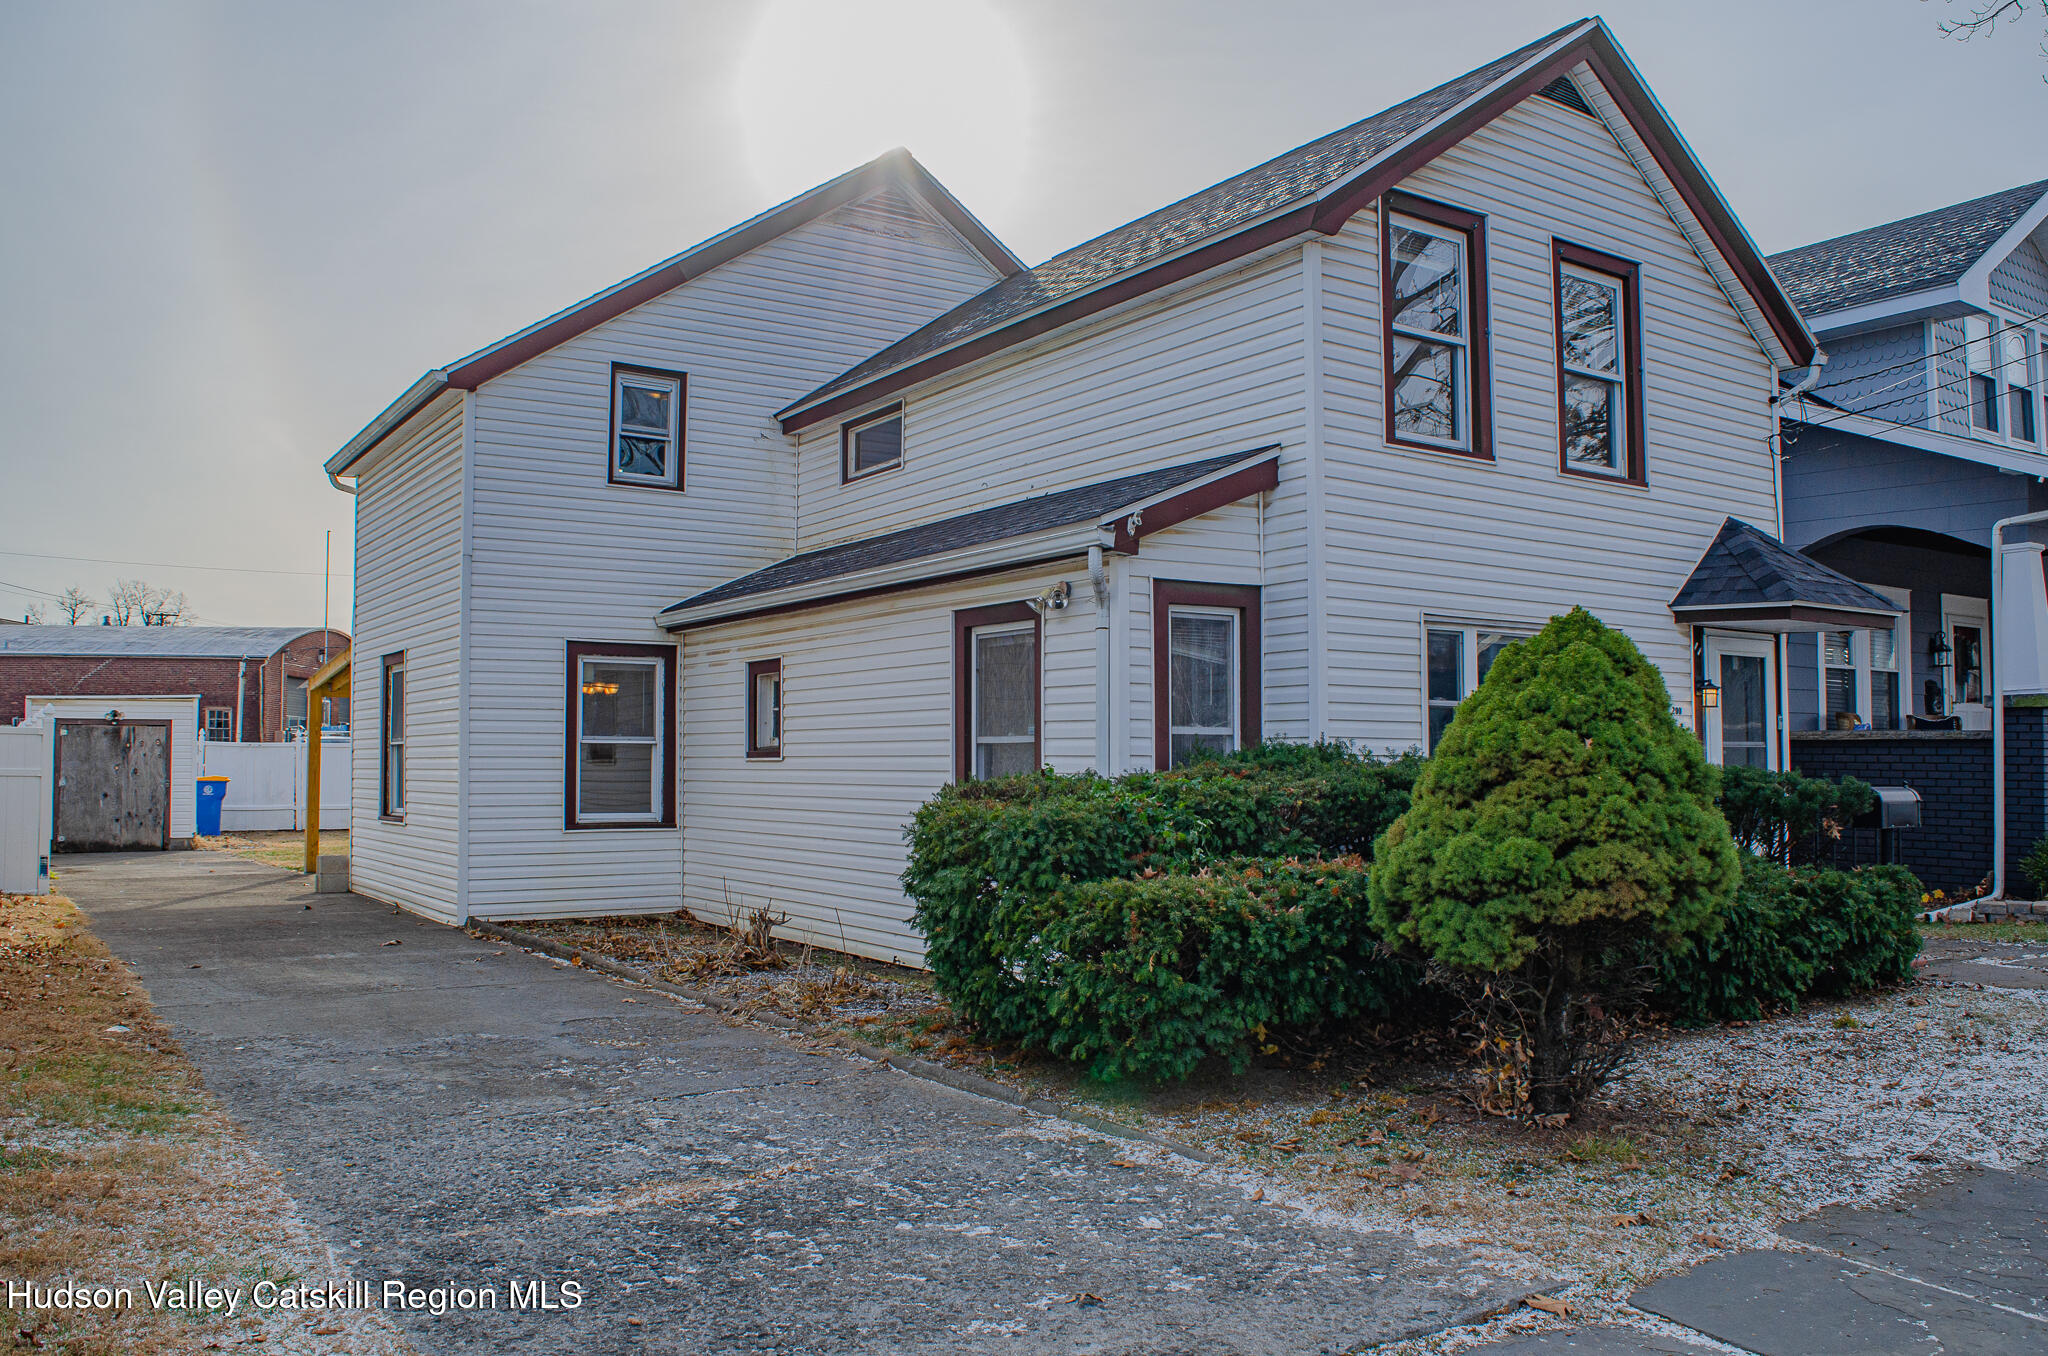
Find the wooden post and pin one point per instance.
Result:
(312, 785)
(332, 677)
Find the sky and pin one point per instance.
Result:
(231, 233)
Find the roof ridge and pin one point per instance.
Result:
(2039, 187)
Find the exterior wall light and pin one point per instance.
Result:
(1710, 694)
(1938, 649)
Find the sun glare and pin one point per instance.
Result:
(824, 85)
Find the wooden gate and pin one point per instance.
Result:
(113, 785)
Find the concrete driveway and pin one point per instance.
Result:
(461, 1113)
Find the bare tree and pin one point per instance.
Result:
(1986, 16)
(75, 603)
(33, 615)
(131, 602)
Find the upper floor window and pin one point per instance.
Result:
(2005, 378)
(1433, 281)
(647, 427)
(872, 443)
(1599, 364)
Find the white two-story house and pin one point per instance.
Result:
(691, 594)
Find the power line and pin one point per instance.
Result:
(1935, 356)
(162, 564)
(1935, 411)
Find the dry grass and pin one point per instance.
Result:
(117, 1169)
(1985, 932)
(281, 847)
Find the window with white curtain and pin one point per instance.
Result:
(1202, 682)
(1004, 688)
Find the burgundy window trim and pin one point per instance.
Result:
(847, 429)
(1629, 274)
(1479, 343)
(1169, 593)
(611, 437)
(572, 723)
(755, 670)
(964, 623)
(396, 659)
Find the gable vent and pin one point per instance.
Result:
(1563, 91)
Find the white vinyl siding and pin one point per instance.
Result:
(1413, 532)
(819, 835)
(560, 555)
(408, 597)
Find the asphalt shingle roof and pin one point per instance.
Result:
(1746, 566)
(1284, 181)
(1900, 257)
(150, 642)
(1062, 508)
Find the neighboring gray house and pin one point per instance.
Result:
(1925, 427)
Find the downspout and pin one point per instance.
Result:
(1807, 382)
(335, 481)
(1103, 720)
(1779, 398)
(241, 697)
(1998, 704)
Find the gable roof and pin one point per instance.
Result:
(1914, 254)
(1159, 498)
(896, 168)
(153, 642)
(1318, 187)
(1749, 575)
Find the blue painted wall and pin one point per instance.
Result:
(1838, 482)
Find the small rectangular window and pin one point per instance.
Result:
(392, 744)
(1859, 673)
(1201, 682)
(1205, 669)
(1433, 289)
(871, 443)
(647, 427)
(1598, 364)
(1456, 659)
(1838, 672)
(764, 708)
(621, 743)
(996, 690)
(220, 724)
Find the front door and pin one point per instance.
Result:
(1742, 727)
(1968, 624)
(113, 785)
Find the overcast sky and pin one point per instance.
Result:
(232, 233)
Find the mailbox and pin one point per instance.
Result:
(1898, 807)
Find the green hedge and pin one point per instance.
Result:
(1148, 978)
(985, 854)
(1789, 935)
(1788, 817)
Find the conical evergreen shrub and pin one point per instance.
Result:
(1563, 835)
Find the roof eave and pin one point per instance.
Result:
(1975, 284)
(416, 398)
(1783, 618)
(1946, 299)
(987, 558)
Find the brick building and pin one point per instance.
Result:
(251, 680)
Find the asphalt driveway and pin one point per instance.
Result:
(455, 1112)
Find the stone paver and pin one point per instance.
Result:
(457, 1112)
(1598, 1341)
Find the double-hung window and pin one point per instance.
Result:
(1455, 659)
(764, 708)
(1860, 676)
(997, 696)
(1599, 367)
(621, 744)
(871, 443)
(647, 427)
(391, 745)
(2019, 374)
(1433, 284)
(1205, 648)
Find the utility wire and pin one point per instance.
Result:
(162, 564)
(1942, 352)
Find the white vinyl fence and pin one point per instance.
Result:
(27, 760)
(267, 783)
